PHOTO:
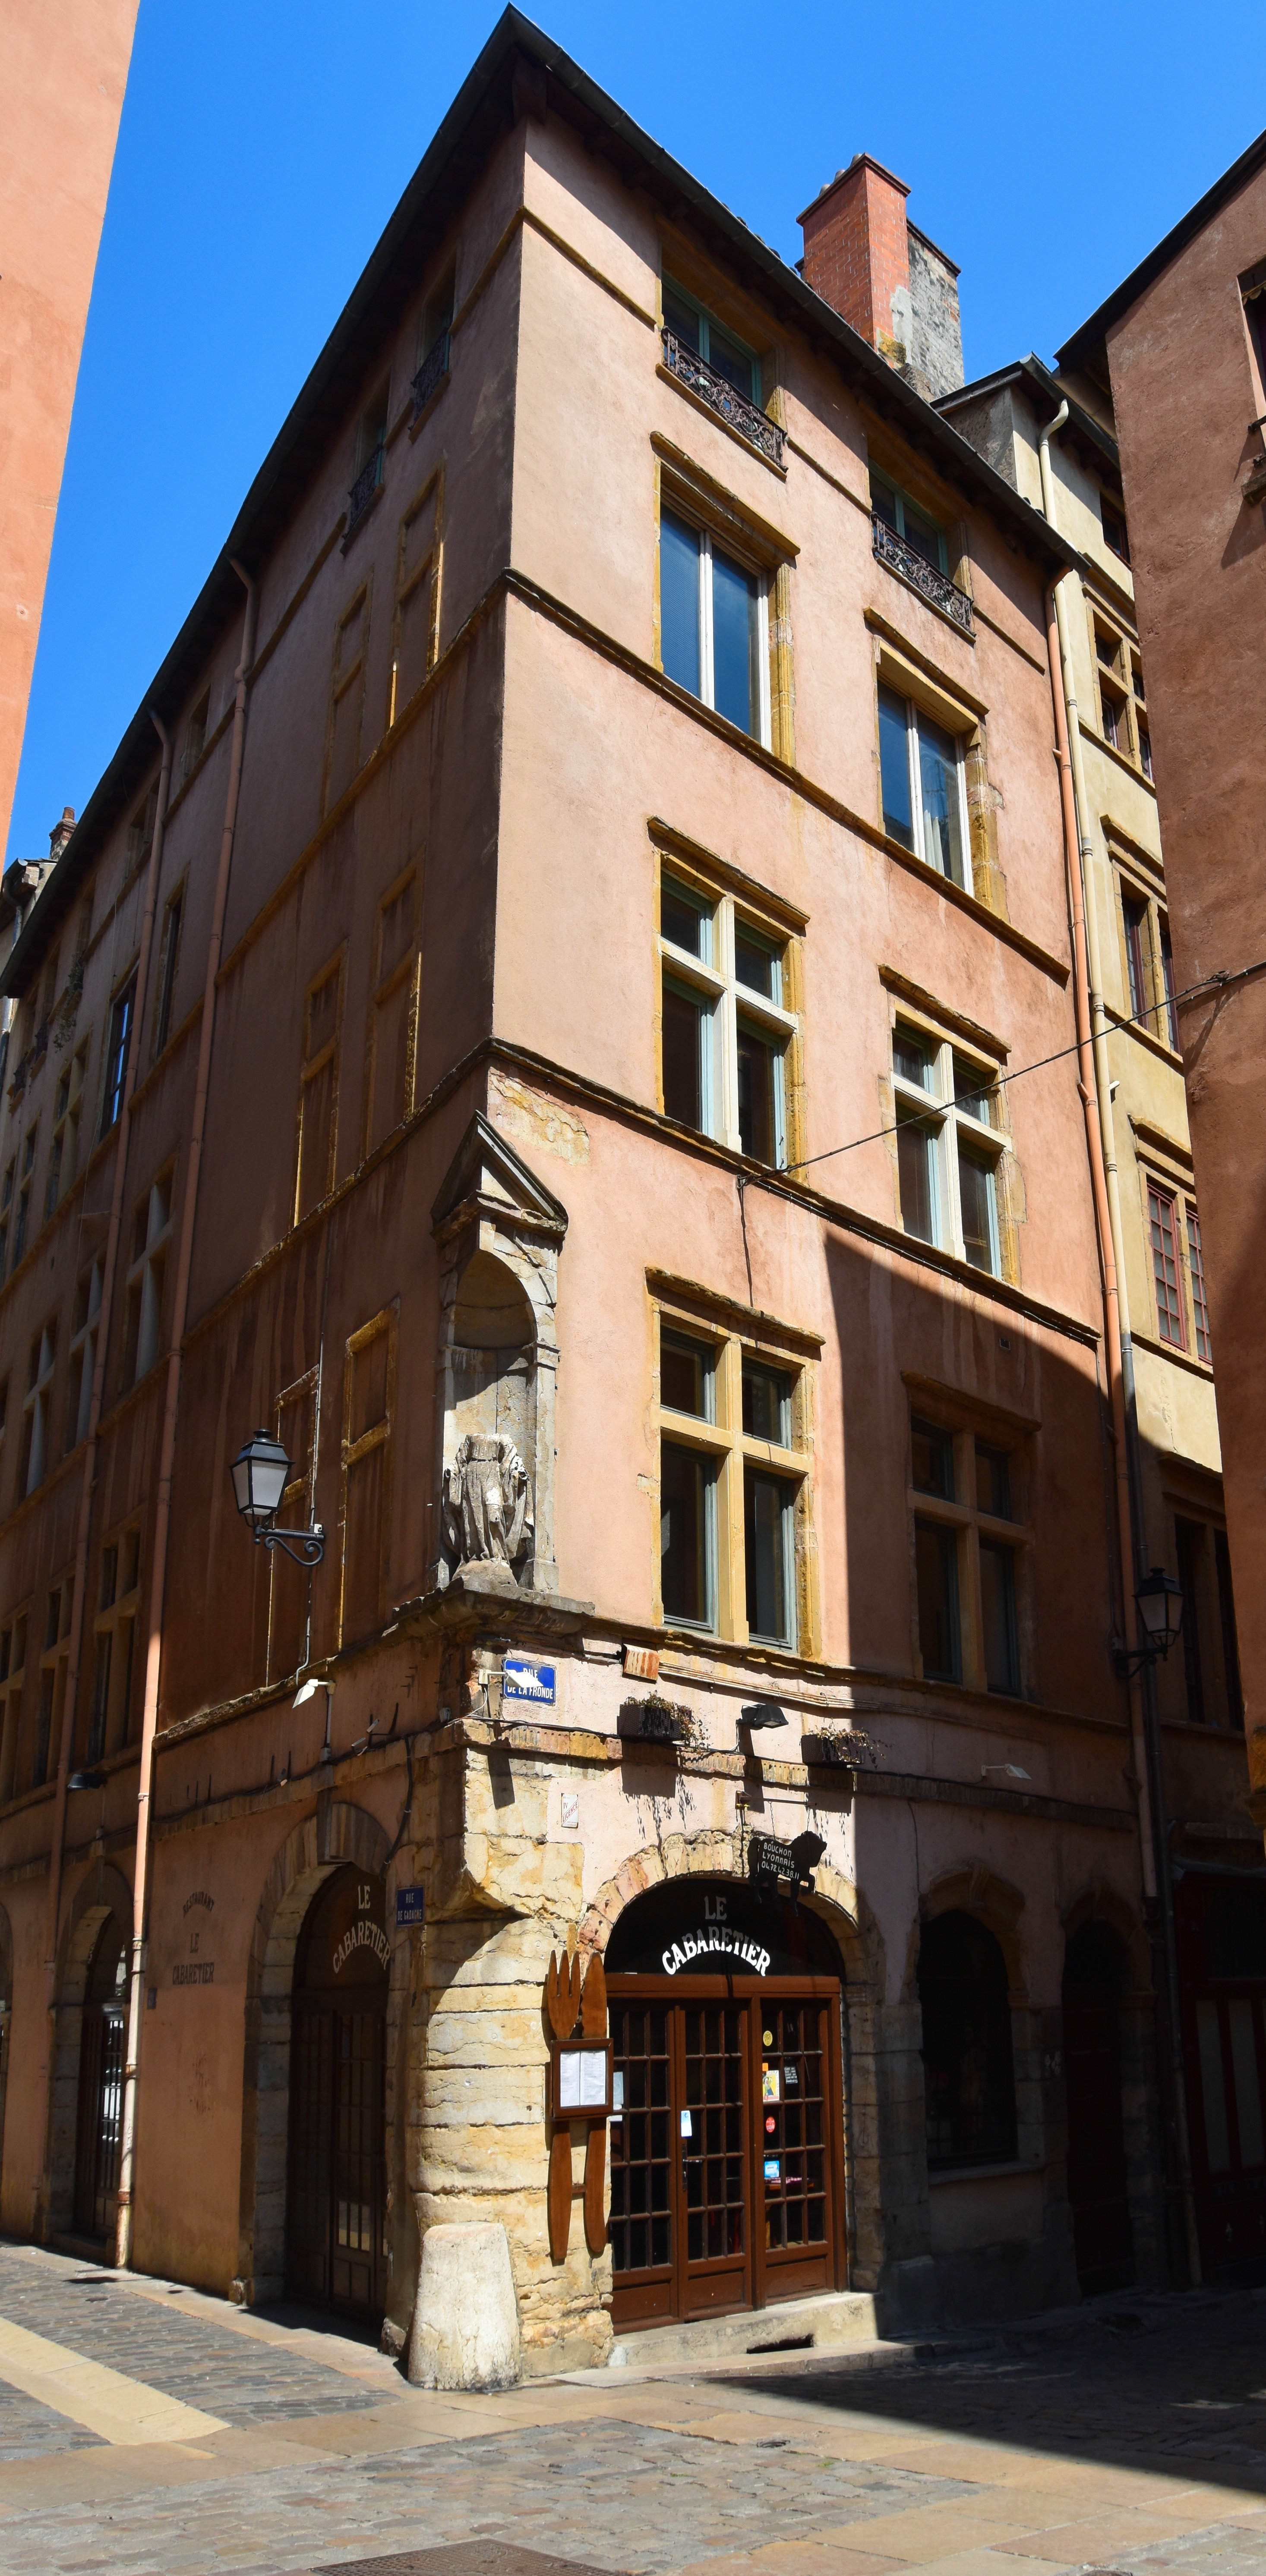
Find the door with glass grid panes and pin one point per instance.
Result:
(336, 2183)
(726, 2145)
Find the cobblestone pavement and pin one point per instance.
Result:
(1127, 2439)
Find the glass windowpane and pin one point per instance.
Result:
(685, 1027)
(936, 1576)
(758, 1085)
(923, 535)
(679, 601)
(684, 920)
(685, 1498)
(681, 320)
(912, 1060)
(942, 812)
(993, 1482)
(734, 597)
(767, 1511)
(972, 1090)
(976, 1191)
(932, 1459)
(766, 1403)
(686, 1376)
(894, 769)
(726, 359)
(916, 1174)
(755, 965)
(997, 1608)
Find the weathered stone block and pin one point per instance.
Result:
(466, 2322)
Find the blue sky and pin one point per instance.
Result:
(263, 147)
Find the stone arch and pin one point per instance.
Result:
(977, 1890)
(1100, 1903)
(719, 1854)
(338, 1833)
(102, 1891)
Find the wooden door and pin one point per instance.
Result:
(1102, 2238)
(336, 2193)
(726, 2146)
(99, 2125)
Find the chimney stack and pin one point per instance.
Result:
(61, 833)
(886, 278)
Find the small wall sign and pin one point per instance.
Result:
(582, 2080)
(410, 1905)
(520, 1680)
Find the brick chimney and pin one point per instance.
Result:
(857, 253)
(885, 276)
(61, 833)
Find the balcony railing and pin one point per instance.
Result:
(364, 487)
(431, 373)
(926, 578)
(721, 397)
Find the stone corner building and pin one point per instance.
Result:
(532, 1026)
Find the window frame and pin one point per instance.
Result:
(152, 1222)
(914, 711)
(54, 1668)
(902, 501)
(961, 1516)
(116, 1618)
(730, 538)
(726, 1004)
(34, 1459)
(727, 1453)
(168, 967)
(313, 1062)
(117, 1050)
(1146, 957)
(14, 1635)
(1167, 1191)
(953, 1131)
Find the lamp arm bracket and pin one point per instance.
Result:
(310, 1546)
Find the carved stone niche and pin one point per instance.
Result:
(499, 1233)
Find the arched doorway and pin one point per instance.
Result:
(727, 2165)
(336, 2196)
(101, 2047)
(968, 2071)
(1094, 1970)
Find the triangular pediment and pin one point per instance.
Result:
(487, 1174)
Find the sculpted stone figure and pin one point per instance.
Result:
(487, 1503)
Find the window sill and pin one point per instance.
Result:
(1131, 767)
(1133, 1028)
(1169, 1351)
(1009, 2170)
(965, 634)
(719, 421)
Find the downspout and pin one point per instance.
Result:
(1144, 1715)
(56, 1866)
(162, 1515)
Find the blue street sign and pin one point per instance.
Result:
(528, 1681)
(410, 1905)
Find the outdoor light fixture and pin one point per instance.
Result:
(1159, 1599)
(86, 1780)
(261, 1472)
(764, 1712)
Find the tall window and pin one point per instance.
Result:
(54, 1666)
(415, 626)
(6, 1211)
(968, 2068)
(141, 832)
(13, 1638)
(347, 700)
(1114, 533)
(122, 1010)
(83, 1353)
(36, 1410)
(196, 735)
(168, 958)
(1199, 1302)
(393, 1023)
(63, 1152)
(1162, 1215)
(26, 1183)
(318, 1090)
(713, 623)
(1210, 1647)
(968, 1547)
(118, 1609)
(368, 1411)
(696, 329)
(733, 1485)
(924, 795)
(948, 1146)
(1134, 915)
(728, 1031)
(1149, 962)
(146, 1278)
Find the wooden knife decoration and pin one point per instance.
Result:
(580, 2074)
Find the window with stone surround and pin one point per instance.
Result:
(114, 1642)
(146, 1279)
(369, 1390)
(734, 1479)
(347, 699)
(1147, 960)
(13, 1641)
(318, 1088)
(729, 1019)
(968, 2064)
(969, 1544)
(415, 617)
(393, 1011)
(1122, 699)
(1179, 1285)
(54, 1667)
(950, 1145)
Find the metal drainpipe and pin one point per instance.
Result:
(1158, 1879)
(88, 1487)
(162, 1515)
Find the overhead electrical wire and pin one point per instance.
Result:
(1208, 983)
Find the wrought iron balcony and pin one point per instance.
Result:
(431, 373)
(364, 487)
(721, 397)
(926, 578)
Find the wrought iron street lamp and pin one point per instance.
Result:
(1160, 1605)
(261, 1472)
